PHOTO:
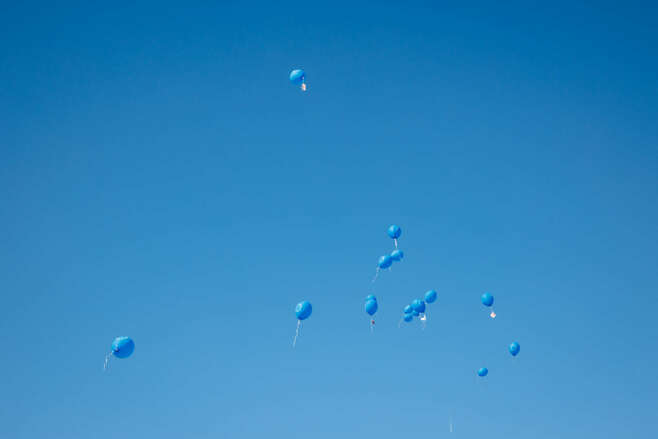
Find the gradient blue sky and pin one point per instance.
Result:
(162, 179)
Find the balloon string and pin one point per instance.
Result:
(376, 275)
(396, 243)
(294, 342)
(107, 361)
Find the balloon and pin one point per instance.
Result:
(394, 232)
(408, 317)
(487, 299)
(385, 262)
(297, 76)
(430, 296)
(408, 309)
(123, 347)
(371, 307)
(514, 348)
(397, 255)
(303, 310)
(371, 297)
(483, 372)
(415, 313)
(418, 306)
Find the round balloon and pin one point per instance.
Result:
(371, 307)
(394, 231)
(371, 297)
(385, 262)
(483, 372)
(487, 299)
(430, 296)
(514, 348)
(303, 310)
(418, 306)
(408, 309)
(297, 76)
(397, 255)
(415, 313)
(408, 317)
(123, 347)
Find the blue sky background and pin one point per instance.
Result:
(162, 179)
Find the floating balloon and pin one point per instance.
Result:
(418, 306)
(408, 309)
(514, 349)
(122, 347)
(394, 233)
(385, 262)
(488, 300)
(430, 296)
(397, 255)
(483, 372)
(371, 309)
(408, 317)
(415, 313)
(303, 311)
(298, 77)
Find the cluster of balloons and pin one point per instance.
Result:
(514, 348)
(417, 307)
(396, 255)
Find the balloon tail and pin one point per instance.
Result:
(395, 240)
(107, 361)
(451, 424)
(299, 324)
(493, 314)
(376, 276)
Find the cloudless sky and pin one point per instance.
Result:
(162, 179)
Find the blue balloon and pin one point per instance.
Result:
(297, 76)
(408, 317)
(303, 310)
(397, 255)
(385, 262)
(430, 296)
(418, 306)
(415, 313)
(514, 348)
(408, 309)
(394, 232)
(483, 372)
(487, 299)
(123, 347)
(371, 307)
(371, 297)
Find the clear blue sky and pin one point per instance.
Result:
(162, 179)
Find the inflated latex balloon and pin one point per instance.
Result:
(514, 349)
(298, 77)
(303, 311)
(397, 255)
(418, 306)
(430, 296)
(408, 317)
(408, 309)
(384, 262)
(371, 307)
(122, 347)
(483, 372)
